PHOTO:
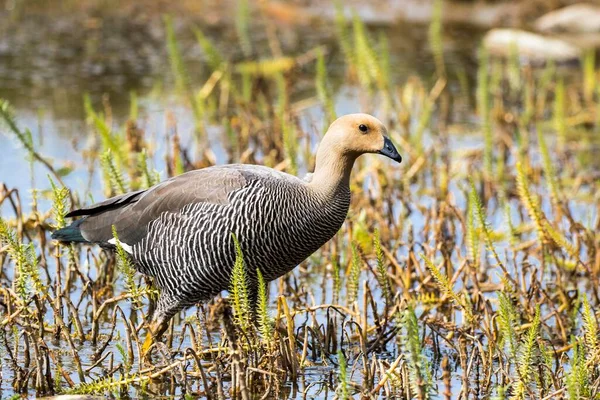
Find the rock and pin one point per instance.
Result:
(582, 40)
(577, 18)
(534, 47)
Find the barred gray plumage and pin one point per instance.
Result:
(180, 232)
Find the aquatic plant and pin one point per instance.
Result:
(484, 109)
(323, 90)
(418, 366)
(353, 275)
(239, 290)
(382, 275)
(435, 36)
(113, 178)
(446, 287)
(262, 312)
(415, 309)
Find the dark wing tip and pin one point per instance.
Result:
(109, 204)
(77, 213)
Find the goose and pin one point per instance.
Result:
(182, 231)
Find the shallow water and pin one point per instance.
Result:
(45, 71)
(51, 59)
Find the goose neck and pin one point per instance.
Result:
(332, 174)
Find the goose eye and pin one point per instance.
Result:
(363, 128)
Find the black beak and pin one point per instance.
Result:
(389, 150)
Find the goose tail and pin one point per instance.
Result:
(69, 234)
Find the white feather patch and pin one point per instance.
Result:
(124, 245)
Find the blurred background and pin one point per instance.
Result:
(54, 54)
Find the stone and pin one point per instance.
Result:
(532, 46)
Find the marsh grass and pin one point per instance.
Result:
(463, 272)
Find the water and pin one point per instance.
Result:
(52, 55)
(45, 71)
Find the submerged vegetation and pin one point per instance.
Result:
(472, 270)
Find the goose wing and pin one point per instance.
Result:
(132, 213)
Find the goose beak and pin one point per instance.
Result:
(389, 150)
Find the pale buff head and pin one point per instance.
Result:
(356, 134)
(346, 139)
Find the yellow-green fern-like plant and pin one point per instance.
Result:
(446, 287)
(60, 204)
(114, 180)
(239, 289)
(125, 266)
(149, 177)
(342, 389)
(590, 326)
(525, 359)
(424, 120)
(337, 280)
(381, 271)
(354, 275)
(180, 73)
(530, 203)
(8, 118)
(364, 64)
(548, 166)
(421, 381)
(561, 241)
(546, 232)
(344, 36)
(477, 208)
(27, 280)
(507, 320)
(472, 235)
(265, 322)
(578, 377)
(108, 384)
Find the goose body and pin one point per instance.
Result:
(180, 231)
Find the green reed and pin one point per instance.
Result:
(180, 73)
(242, 26)
(559, 112)
(214, 58)
(484, 109)
(323, 89)
(588, 64)
(435, 36)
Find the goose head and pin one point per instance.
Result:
(356, 134)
